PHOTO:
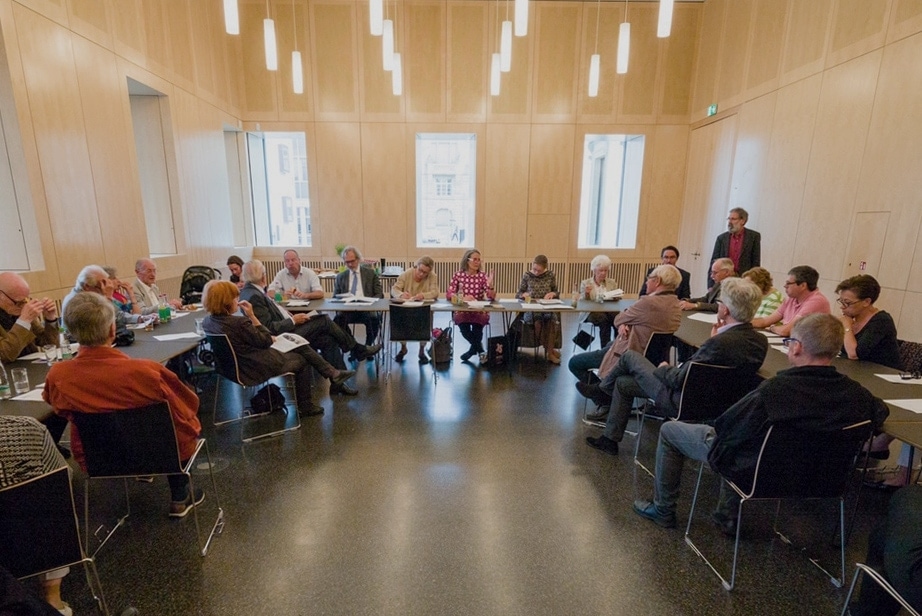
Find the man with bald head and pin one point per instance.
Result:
(25, 323)
(146, 289)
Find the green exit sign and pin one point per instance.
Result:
(712, 109)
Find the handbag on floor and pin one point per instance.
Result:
(268, 399)
(497, 351)
(441, 348)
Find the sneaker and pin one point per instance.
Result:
(483, 359)
(600, 414)
(646, 509)
(603, 443)
(593, 423)
(179, 509)
(66, 610)
(314, 410)
(342, 377)
(144, 479)
(370, 350)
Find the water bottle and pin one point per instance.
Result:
(163, 311)
(278, 296)
(5, 393)
(64, 342)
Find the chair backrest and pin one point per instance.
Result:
(413, 323)
(38, 525)
(797, 463)
(658, 346)
(910, 355)
(129, 442)
(194, 279)
(710, 390)
(225, 359)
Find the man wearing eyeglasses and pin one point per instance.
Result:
(741, 245)
(360, 282)
(25, 323)
(803, 298)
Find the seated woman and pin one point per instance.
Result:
(467, 285)
(870, 335)
(122, 294)
(771, 297)
(599, 282)
(540, 283)
(252, 343)
(416, 284)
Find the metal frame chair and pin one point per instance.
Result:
(795, 464)
(410, 324)
(883, 583)
(228, 368)
(39, 531)
(121, 444)
(708, 391)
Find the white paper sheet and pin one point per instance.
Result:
(169, 337)
(780, 347)
(895, 378)
(914, 405)
(34, 395)
(768, 334)
(298, 303)
(706, 317)
(477, 304)
(410, 304)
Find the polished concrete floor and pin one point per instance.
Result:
(475, 494)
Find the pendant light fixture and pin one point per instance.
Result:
(505, 44)
(496, 63)
(387, 41)
(594, 61)
(272, 58)
(376, 16)
(231, 17)
(624, 44)
(521, 17)
(664, 26)
(297, 70)
(397, 67)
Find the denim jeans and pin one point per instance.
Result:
(632, 377)
(581, 363)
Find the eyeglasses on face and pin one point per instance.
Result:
(18, 303)
(846, 303)
(787, 342)
(791, 282)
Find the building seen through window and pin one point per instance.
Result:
(610, 191)
(445, 189)
(279, 184)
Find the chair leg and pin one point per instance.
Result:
(728, 585)
(641, 419)
(94, 584)
(289, 385)
(101, 527)
(882, 582)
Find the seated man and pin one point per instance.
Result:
(296, 282)
(657, 311)
(360, 282)
(102, 379)
(895, 551)
(803, 298)
(670, 256)
(325, 336)
(145, 287)
(25, 323)
(733, 342)
(721, 269)
(811, 395)
(29, 452)
(95, 279)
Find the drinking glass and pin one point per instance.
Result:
(51, 353)
(20, 380)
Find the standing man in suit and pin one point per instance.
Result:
(670, 256)
(360, 282)
(733, 342)
(741, 245)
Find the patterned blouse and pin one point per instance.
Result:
(538, 286)
(474, 285)
(769, 303)
(27, 451)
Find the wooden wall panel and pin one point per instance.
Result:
(378, 100)
(763, 69)
(792, 138)
(843, 117)
(858, 27)
(55, 10)
(335, 61)
(638, 86)
(558, 34)
(749, 187)
(156, 35)
(888, 176)
(104, 99)
(467, 62)
(705, 87)
(551, 168)
(548, 234)
(288, 22)
(733, 51)
(506, 149)
(57, 118)
(339, 180)
(807, 25)
(600, 108)
(204, 50)
(662, 190)
(259, 86)
(177, 18)
(424, 71)
(384, 187)
(905, 19)
(678, 68)
(128, 20)
(89, 18)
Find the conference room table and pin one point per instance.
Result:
(902, 423)
(145, 346)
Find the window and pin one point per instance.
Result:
(281, 199)
(610, 191)
(446, 166)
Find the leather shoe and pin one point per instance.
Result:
(313, 410)
(371, 350)
(646, 509)
(601, 414)
(423, 360)
(468, 354)
(400, 355)
(341, 377)
(603, 443)
(593, 392)
(343, 389)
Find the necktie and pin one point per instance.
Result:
(355, 282)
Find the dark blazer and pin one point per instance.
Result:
(371, 284)
(684, 290)
(750, 256)
(740, 346)
(266, 310)
(708, 301)
(255, 360)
